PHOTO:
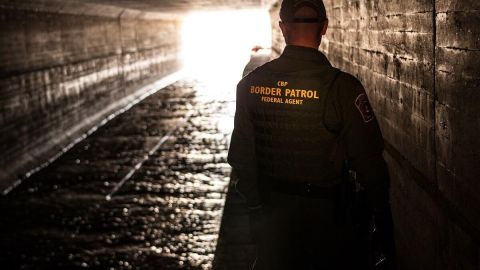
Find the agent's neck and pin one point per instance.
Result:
(305, 43)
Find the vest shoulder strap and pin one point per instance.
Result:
(324, 105)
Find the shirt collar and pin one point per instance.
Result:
(305, 54)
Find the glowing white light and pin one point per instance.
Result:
(218, 44)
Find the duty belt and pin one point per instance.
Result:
(307, 189)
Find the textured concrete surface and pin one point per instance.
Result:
(60, 70)
(457, 105)
(184, 5)
(165, 216)
(418, 61)
(164, 6)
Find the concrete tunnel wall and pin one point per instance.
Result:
(65, 66)
(418, 61)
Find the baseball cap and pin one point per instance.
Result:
(290, 7)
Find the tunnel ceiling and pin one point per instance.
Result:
(178, 5)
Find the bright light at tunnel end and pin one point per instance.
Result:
(218, 44)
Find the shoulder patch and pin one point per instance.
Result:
(363, 106)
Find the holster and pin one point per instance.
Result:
(366, 243)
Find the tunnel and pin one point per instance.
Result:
(116, 118)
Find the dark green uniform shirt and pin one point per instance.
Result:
(290, 113)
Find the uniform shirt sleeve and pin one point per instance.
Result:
(363, 141)
(241, 154)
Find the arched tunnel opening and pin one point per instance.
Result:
(116, 120)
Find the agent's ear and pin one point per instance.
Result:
(324, 27)
(284, 29)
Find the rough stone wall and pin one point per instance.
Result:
(61, 65)
(419, 62)
(457, 77)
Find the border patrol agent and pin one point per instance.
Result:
(290, 114)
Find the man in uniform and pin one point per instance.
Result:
(292, 115)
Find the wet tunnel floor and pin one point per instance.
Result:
(167, 213)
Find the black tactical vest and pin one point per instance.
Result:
(287, 109)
